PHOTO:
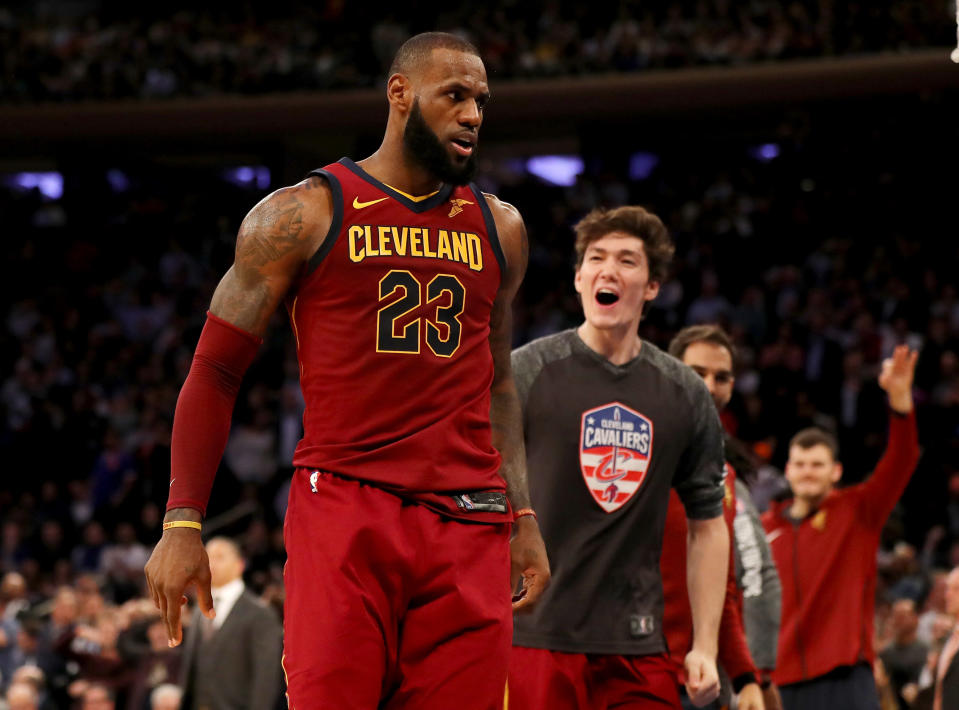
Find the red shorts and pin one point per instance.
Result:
(539, 678)
(390, 605)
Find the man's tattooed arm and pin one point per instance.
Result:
(276, 239)
(528, 560)
(505, 411)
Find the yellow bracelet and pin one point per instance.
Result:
(182, 524)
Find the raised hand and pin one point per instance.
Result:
(896, 377)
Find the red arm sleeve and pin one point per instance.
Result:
(201, 423)
(883, 488)
(733, 648)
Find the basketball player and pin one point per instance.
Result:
(734, 655)
(397, 275)
(824, 541)
(753, 583)
(612, 423)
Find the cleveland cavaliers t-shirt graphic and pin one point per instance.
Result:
(616, 443)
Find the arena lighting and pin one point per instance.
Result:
(642, 164)
(257, 176)
(119, 182)
(50, 184)
(765, 153)
(556, 169)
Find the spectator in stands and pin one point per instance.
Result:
(22, 696)
(87, 557)
(933, 607)
(8, 651)
(166, 697)
(34, 676)
(122, 562)
(710, 306)
(93, 648)
(97, 697)
(58, 56)
(155, 663)
(904, 658)
(884, 689)
(938, 688)
(13, 587)
(63, 615)
(946, 694)
(28, 645)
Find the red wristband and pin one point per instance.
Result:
(523, 511)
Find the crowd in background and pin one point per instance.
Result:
(96, 49)
(818, 256)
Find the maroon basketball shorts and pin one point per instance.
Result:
(539, 678)
(390, 605)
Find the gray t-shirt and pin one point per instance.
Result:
(604, 443)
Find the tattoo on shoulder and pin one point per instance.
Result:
(271, 231)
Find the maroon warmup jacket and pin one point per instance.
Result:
(734, 653)
(827, 564)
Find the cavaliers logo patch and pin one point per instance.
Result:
(615, 446)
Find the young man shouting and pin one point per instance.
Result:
(611, 424)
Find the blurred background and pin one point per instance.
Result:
(803, 155)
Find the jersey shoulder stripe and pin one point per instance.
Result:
(491, 232)
(330, 240)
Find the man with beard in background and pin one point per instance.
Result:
(398, 276)
(753, 597)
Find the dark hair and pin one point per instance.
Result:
(706, 333)
(419, 47)
(634, 221)
(813, 436)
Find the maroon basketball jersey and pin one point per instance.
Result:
(392, 323)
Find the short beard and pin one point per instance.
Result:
(423, 147)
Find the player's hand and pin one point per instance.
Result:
(528, 561)
(178, 561)
(702, 678)
(896, 377)
(751, 697)
(771, 697)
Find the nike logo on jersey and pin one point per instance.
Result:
(770, 536)
(357, 205)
